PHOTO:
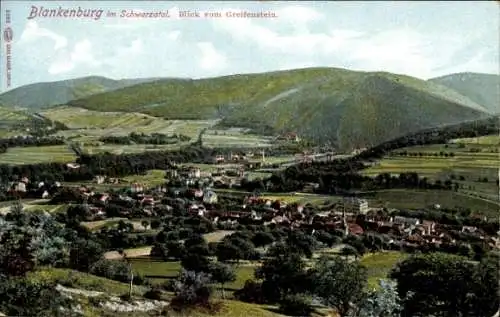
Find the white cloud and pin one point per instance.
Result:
(174, 35)
(211, 59)
(298, 16)
(478, 63)
(299, 43)
(401, 50)
(80, 55)
(33, 32)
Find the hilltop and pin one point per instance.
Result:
(46, 94)
(483, 89)
(348, 108)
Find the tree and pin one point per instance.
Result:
(326, 238)
(348, 251)
(486, 289)
(145, 224)
(222, 273)
(16, 253)
(196, 244)
(226, 252)
(155, 224)
(84, 253)
(175, 249)
(338, 283)
(196, 263)
(262, 238)
(383, 302)
(435, 282)
(356, 243)
(302, 242)
(283, 272)
(24, 297)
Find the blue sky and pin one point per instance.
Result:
(421, 39)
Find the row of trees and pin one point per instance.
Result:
(141, 138)
(28, 141)
(425, 154)
(342, 183)
(110, 164)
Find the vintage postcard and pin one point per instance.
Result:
(249, 158)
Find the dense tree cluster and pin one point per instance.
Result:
(38, 126)
(439, 135)
(29, 141)
(141, 138)
(448, 285)
(110, 164)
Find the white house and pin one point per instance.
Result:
(406, 221)
(356, 205)
(20, 187)
(136, 188)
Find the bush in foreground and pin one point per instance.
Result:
(296, 305)
(193, 291)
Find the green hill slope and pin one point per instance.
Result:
(59, 92)
(484, 89)
(325, 104)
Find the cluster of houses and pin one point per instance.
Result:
(25, 188)
(192, 188)
(345, 216)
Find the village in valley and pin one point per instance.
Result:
(207, 210)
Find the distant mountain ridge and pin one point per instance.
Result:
(483, 89)
(350, 109)
(40, 95)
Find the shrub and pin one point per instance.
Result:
(114, 270)
(153, 293)
(169, 285)
(141, 280)
(250, 293)
(296, 305)
(192, 289)
(126, 297)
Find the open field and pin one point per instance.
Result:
(95, 123)
(62, 154)
(380, 264)
(302, 198)
(234, 138)
(146, 250)
(468, 155)
(474, 164)
(152, 177)
(416, 199)
(41, 154)
(159, 271)
(434, 166)
(483, 140)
